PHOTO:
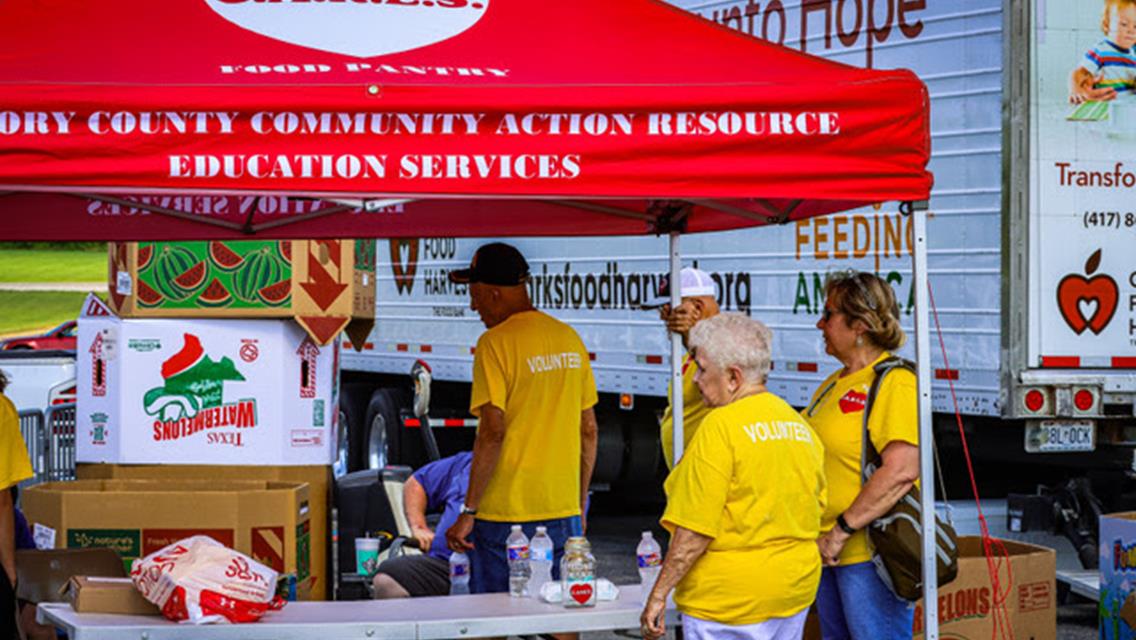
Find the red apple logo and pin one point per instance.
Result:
(1087, 303)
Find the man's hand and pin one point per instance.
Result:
(457, 536)
(653, 621)
(830, 545)
(424, 536)
(682, 318)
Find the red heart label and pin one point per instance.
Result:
(853, 401)
(581, 592)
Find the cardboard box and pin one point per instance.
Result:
(326, 285)
(1118, 576)
(318, 478)
(107, 595)
(965, 605)
(269, 521)
(203, 392)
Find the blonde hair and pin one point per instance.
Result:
(1109, 5)
(868, 298)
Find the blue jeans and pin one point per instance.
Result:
(854, 604)
(489, 568)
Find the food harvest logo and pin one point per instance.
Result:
(404, 263)
(1088, 302)
(361, 28)
(191, 399)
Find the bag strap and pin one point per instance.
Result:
(868, 453)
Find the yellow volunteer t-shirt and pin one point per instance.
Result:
(535, 369)
(14, 463)
(693, 411)
(836, 413)
(753, 481)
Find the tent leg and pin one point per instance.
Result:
(676, 349)
(926, 435)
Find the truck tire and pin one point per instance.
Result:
(351, 430)
(382, 442)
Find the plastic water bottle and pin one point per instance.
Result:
(517, 546)
(540, 561)
(459, 574)
(650, 561)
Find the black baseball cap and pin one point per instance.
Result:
(495, 263)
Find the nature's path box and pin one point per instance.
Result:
(326, 285)
(318, 479)
(268, 521)
(1118, 576)
(239, 392)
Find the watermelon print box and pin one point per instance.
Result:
(266, 520)
(202, 391)
(326, 285)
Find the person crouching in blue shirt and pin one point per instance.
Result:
(439, 485)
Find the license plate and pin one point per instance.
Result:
(1061, 436)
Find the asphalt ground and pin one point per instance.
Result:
(614, 531)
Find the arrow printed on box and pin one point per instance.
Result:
(323, 329)
(323, 287)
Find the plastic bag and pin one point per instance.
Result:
(553, 592)
(199, 580)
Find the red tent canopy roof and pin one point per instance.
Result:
(613, 103)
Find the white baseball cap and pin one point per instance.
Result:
(695, 282)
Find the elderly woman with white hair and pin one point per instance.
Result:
(744, 503)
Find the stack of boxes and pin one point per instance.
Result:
(215, 361)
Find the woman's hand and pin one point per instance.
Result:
(831, 544)
(653, 622)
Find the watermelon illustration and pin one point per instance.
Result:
(145, 255)
(192, 279)
(225, 258)
(284, 248)
(261, 269)
(147, 297)
(276, 295)
(215, 295)
(171, 262)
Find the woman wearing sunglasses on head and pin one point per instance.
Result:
(860, 325)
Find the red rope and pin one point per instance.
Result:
(993, 549)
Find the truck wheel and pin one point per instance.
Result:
(351, 429)
(342, 463)
(382, 444)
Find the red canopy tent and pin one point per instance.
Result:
(612, 103)
(189, 119)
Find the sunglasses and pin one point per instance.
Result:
(854, 276)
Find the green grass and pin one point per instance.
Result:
(50, 265)
(33, 311)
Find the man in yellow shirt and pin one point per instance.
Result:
(14, 467)
(533, 393)
(698, 303)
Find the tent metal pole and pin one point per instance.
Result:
(926, 435)
(676, 349)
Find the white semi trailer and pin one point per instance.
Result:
(1031, 260)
